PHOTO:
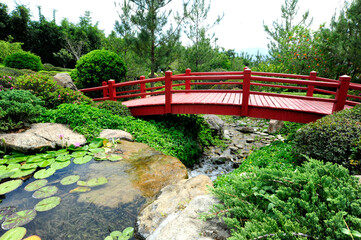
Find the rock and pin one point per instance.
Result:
(250, 140)
(174, 214)
(246, 129)
(215, 123)
(226, 134)
(116, 135)
(64, 80)
(42, 136)
(274, 126)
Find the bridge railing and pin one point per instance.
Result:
(183, 83)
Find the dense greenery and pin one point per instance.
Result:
(23, 60)
(332, 138)
(315, 201)
(8, 48)
(18, 108)
(117, 108)
(98, 66)
(176, 136)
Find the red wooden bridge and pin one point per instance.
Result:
(233, 93)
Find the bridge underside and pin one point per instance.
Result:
(260, 106)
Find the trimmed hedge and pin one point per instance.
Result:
(117, 108)
(23, 60)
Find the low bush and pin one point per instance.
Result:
(176, 136)
(18, 108)
(6, 82)
(23, 60)
(332, 138)
(116, 108)
(315, 201)
(8, 48)
(289, 129)
(46, 88)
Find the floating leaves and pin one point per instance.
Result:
(18, 219)
(9, 186)
(47, 204)
(115, 158)
(60, 165)
(80, 189)
(14, 234)
(22, 173)
(6, 211)
(82, 160)
(70, 179)
(33, 186)
(44, 173)
(93, 182)
(45, 192)
(63, 158)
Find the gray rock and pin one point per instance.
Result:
(246, 129)
(64, 80)
(274, 126)
(116, 135)
(250, 140)
(40, 136)
(215, 123)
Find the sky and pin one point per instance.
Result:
(241, 27)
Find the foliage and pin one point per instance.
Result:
(18, 108)
(46, 88)
(23, 60)
(289, 129)
(315, 201)
(125, 235)
(8, 48)
(116, 108)
(176, 136)
(98, 66)
(63, 57)
(331, 138)
(6, 82)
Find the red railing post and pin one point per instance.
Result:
(311, 88)
(341, 93)
(188, 81)
(168, 92)
(112, 90)
(105, 91)
(245, 90)
(142, 86)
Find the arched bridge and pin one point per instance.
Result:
(234, 93)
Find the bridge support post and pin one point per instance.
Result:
(112, 90)
(168, 92)
(142, 86)
(311, 88)
(246, 90)
(188, 81)
(341, 93)
(105, 91)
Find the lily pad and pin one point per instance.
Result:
(18, 219)
(101, 156)
(17, 160)
(96, 143)
(6, 211)
(45, 192)
(6, 174)
(34, 159)
(60, 165)
(3, 161)
(22, 173)
(46, 163)
(82, 160)
(80, 189)
(78, 154)
(63, 158)
(47, 204)
(93, 182)
(13, 166)
(9, 186)
(14, 234)
(115, 158)
(28, 166)
(44, 173)
(96, 150)
(70, 179)
(33, 186)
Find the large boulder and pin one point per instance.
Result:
(215, 123)
(41, 136)
(64, 80)
(175, 213)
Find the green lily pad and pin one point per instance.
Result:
(46, 163)
(14, 234)
(49, 155)
(63, 158)
(6, 174)
(82, 160)
(6, 211)
(28, 166)
(45, 192)
(3, 161)
(78, 154)
(22, 173)
(97, 150)
(9, 186)
(115, 158)
(16, 160)
(70, 179)
(33, 186)
(93, 182)
(47, 204)
(44, 173)
(18, 219)
(60, 165)
(34, 159)
(13, 166)
(81, 189)
(101, 156)
(96, 143)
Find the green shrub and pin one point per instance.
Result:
(116, 108)
(18, 108)
(6, 82)
(315, 201)
(331, 138)
(8, 48)
(176, 136)
(23, 60)
(98, 66)
(46, 88)
(289, 129)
